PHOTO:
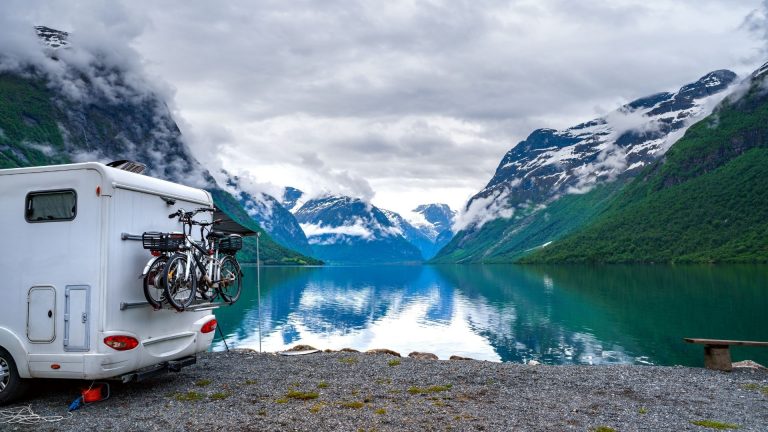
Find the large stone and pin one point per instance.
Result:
(748, 364)
(301, 348)
(422, 356)
(456, 357)
(383, 351)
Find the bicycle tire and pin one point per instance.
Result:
(180, 291)
(154, 283)
(231, 280)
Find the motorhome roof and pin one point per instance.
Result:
(116, 178)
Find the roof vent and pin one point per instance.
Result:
(126, 165)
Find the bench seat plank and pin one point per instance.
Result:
(722, 342)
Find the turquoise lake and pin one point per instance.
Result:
(553, 314)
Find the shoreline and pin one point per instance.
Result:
(245, 390)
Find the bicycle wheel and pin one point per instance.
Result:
(231, 280)
(154, 286)
(180, 284)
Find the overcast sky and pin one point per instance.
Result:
(405, 102)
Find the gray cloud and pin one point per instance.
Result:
(388, 94)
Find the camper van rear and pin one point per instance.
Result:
(72, 304)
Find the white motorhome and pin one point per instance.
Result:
(71, 299)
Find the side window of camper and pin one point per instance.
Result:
(51, 206)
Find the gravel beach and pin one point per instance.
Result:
(345, 391)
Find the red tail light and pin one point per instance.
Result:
(209, 326)
(121, 343)
(155, 253)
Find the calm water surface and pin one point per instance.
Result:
(556, 315)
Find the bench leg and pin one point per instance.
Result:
(717, 357)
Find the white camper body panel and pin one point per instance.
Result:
(65, 283)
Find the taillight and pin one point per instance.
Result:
(121, 343)
(209, 326)
(155, 253)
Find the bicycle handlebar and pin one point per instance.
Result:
(187, 215)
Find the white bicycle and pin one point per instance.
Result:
(207, 268)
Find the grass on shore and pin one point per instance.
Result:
(431, 389)
(714, 424)
(189, 396)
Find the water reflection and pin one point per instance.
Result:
(556, 315)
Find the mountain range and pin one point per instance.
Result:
(671, 177)
(705, 201)
(345, 230)
(554, 182)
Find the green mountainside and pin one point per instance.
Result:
(706, 200)
(555, 181)
(503, 241)
(41, 126)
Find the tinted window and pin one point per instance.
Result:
(51, 206)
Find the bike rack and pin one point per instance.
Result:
(132, 305)
(195, 307)
(203, 306)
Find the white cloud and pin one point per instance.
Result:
(485, 209)
(403, 102)
(356, 229)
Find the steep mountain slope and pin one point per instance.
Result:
(281, 225)
(434, 222)
(705, 201)
(346, 230)
(62, 109)
(292, 199)
(271, 253)
(413, 235)
(517, 211)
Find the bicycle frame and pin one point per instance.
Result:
(211, 270)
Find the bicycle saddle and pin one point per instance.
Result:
(216, 234)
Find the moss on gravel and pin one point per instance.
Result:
(431, 389)
(300, 395)
(712, 424)
(189, 396)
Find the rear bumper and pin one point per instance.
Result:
(170, 351)
(159, 369)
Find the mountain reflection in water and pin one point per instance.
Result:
(554, 314)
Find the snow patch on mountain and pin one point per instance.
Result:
(550, 163)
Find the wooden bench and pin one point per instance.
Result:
(717, 354)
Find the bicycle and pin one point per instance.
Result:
(160, 245)
(197, 268)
